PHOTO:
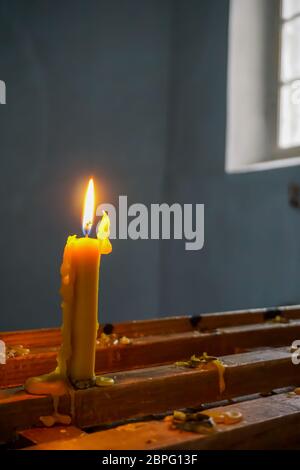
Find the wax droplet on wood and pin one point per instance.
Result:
(221, 370)
(232, 417)
(225, 417)
(47, 421)
(104, 381)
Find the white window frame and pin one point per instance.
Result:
(293, 151)
(253, 88)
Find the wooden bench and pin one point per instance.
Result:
(259, 374)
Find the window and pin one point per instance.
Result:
(263, 86)
(289, 75)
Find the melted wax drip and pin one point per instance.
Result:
(56, 383)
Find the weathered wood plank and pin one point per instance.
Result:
(56, 433)
(268, 423)
(156, 350)
(154, 390)
(161, 326)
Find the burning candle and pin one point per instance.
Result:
(79, 291)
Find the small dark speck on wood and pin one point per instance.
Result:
(195, 320)
(108, 329)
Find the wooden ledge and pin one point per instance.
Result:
(156, 350)
(154, 390)
(268, 423)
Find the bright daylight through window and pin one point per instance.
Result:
(289, 82)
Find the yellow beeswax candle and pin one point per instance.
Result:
(79, 291)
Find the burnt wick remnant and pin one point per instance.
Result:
(207, 362)
(203, 422)
(272, 313)
(192, 422)
(108, 329)
(195, 320)
(196, 361)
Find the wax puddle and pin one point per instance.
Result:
(55, 385)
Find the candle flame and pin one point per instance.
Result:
(88, 210)
(104, 227)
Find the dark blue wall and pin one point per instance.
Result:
(133, 92)
(251, 256)
(86, 94)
